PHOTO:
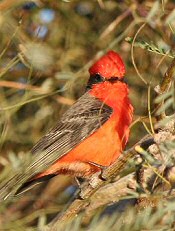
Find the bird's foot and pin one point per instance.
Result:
(102, 169)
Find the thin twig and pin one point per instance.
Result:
(164, 87)
(114, 24)
(132, 54)
(21, 86)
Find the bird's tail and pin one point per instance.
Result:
(10, 186)
(19, 184)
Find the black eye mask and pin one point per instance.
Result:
(97, 78)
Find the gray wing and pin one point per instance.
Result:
(80, 121)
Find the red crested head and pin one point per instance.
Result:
(109, 65)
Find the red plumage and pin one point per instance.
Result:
(105, 144)
(91, 134)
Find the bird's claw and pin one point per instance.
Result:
(102, 168)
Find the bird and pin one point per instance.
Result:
(88, 137)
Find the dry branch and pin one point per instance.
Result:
(89, 188)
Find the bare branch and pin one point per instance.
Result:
(89, 188)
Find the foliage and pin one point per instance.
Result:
(46, 50)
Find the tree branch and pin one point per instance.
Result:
(89, 188)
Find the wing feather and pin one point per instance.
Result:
(79, 122)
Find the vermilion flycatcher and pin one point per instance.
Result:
(89, 136)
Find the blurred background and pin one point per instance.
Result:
(46, 50)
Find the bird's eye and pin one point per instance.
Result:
(94, 79)
(98, 78)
